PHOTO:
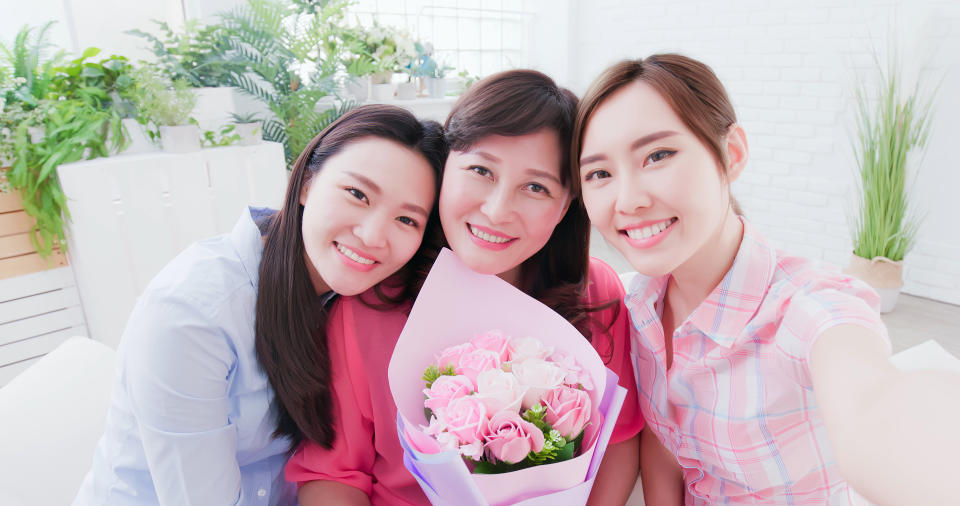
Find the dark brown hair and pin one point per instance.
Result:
(689, 87)
(291, 340)
(521, 102)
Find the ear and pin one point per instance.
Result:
(304, 191)
(737, 151)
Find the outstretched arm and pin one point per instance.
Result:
(893, 433)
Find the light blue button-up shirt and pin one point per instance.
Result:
(190, 420)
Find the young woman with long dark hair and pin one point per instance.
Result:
(507, 209)
(193, 418)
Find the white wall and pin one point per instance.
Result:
(790, 69)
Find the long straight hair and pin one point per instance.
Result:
(521, 102)
(291, 342)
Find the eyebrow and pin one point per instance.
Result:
(365, 180)
(376, 188)
(635, 145)
(531, 171)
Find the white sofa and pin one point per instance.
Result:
(51, 416)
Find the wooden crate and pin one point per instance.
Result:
(17, 256)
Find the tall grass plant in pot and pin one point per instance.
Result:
(893, 124)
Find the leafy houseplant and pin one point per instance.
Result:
(199, 55)
(248, 129)
(292, 53)
(72, 105)
(167, 104)
(890, 124)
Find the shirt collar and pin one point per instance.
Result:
(724, 314)
(247, 238)
(732, 304)
(248, 242)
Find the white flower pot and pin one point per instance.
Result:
(180, 139)
(357, 88)
(381, 77)
(250, 133)
(882, 274)
(214, 107)
(407, 91)
(381, 92)
(436, 87)
(137, 135)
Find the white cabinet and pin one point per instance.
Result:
(131, 214)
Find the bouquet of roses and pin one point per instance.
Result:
(502, 420)
(507, 403)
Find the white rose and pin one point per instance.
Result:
(499, 391)
(523, 348)
(539, 377)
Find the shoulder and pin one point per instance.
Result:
(800, 281)
(603, 283)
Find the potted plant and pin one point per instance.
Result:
(891, 124)
(201, 56)
(58, 113)
(167, 105)
(358, 63)
(392, 51)
(292, 66)
(248, 129)
(431, 71)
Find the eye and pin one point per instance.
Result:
(596, 174)
(480, 171)
(406, 220)
(357, 194)
(661, 154)
(536, 188)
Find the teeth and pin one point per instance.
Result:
(648, 232)
(487, 237)
(352, 255)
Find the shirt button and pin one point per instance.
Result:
(262, 492)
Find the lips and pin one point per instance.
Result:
(488, 238)
(648, 233)
(355, 259)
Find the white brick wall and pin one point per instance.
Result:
(791, 68)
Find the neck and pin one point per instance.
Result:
(693, 281)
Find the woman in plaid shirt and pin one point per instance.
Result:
(766, 377)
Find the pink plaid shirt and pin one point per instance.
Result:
(737, 405)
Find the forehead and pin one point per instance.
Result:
(632, 111)
(392, 166)
(540, 150)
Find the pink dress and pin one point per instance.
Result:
(367, 453)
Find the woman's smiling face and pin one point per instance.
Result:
(500, 200)
(650, 186)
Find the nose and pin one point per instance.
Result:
(498, 206)
(632, 195)
(372, 230)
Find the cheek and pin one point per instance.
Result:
(541, 217)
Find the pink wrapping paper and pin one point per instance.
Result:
(454, 305)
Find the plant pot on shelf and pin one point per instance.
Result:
(436, 87)
(380, 86)
(250, 133)
(407, 91)
(180, 139)
(357, 88)
(882, 274)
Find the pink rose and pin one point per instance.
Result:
(539, 376)
(499, 391)
(451, 355)
(510, 438)
(568, 410)
(576, 375)
(523, 348)
(474, 362)
(446, 389)
(465, 418)
(493, 340)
